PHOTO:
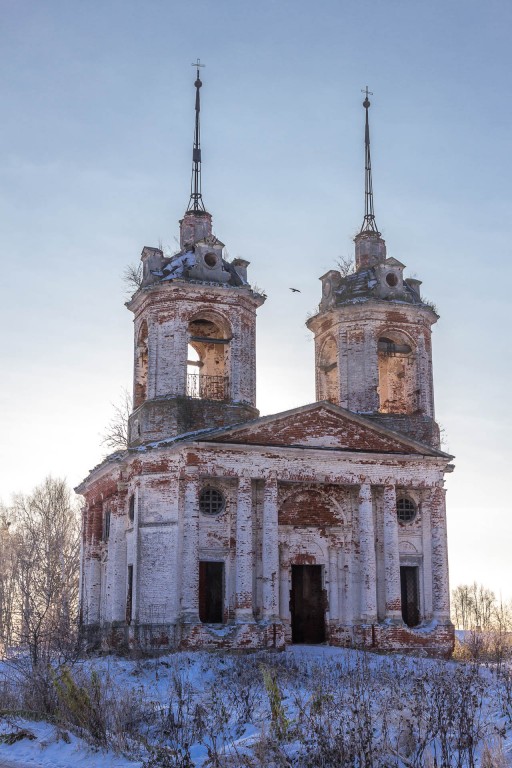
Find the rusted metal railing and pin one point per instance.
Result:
(207, 387)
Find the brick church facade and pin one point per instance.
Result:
(218, 528)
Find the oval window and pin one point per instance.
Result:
(391, 279)
(210, 260)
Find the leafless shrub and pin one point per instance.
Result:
(346, 266)
(493, 755)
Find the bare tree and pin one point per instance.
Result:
(8, 578)
(46, 526)
(115, 436)
(132, 277)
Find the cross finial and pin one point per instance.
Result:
(197, 64)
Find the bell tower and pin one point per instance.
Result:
(194, 329)
(373, 352)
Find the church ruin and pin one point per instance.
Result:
(218, 528)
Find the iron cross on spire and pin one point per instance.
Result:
(196, 198)
(369, 224)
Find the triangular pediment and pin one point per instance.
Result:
(321, 426)
(392, 262)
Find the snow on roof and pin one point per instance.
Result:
(178, 264)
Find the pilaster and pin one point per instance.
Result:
(334, 611)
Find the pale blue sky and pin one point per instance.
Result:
(96, 133)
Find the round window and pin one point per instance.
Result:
(391, 279)
(211, 501)
(405, 510)
(210, 260)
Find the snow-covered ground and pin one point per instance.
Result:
(306, 704)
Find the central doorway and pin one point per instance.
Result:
(211, 592)
(307, 604)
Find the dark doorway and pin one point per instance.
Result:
(211, 592)
(410, 595)
(307, 604)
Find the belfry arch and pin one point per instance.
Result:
(141, 366)
(397, 365)
(208, 360)
(328, 371)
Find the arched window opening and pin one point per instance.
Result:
(141, 367)
(106, 525)
(328, 372)
(208, 358)
(397, 374)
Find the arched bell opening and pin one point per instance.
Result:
(208, 357)
(398, 391)
(141, 367)
(328, 371)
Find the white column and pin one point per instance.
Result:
(391, 556)
(190, 549)
(110, 580)
(440, 582)
(92, 590)
(270, 550)
(244, 551)
(334, 612)
(342, 592)
(284, 582)
(367, 556)
(426, 569)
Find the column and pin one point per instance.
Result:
(391, 556)
(284, 582)
(367, 556)
(244, 552)
(440, 583)
(270, 550)
(190, 549)
(92, 592)
(92, 566)
(333, 584)
(342, 588)
(426, 570)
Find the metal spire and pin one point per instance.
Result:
(369, 224)
(196, 199)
